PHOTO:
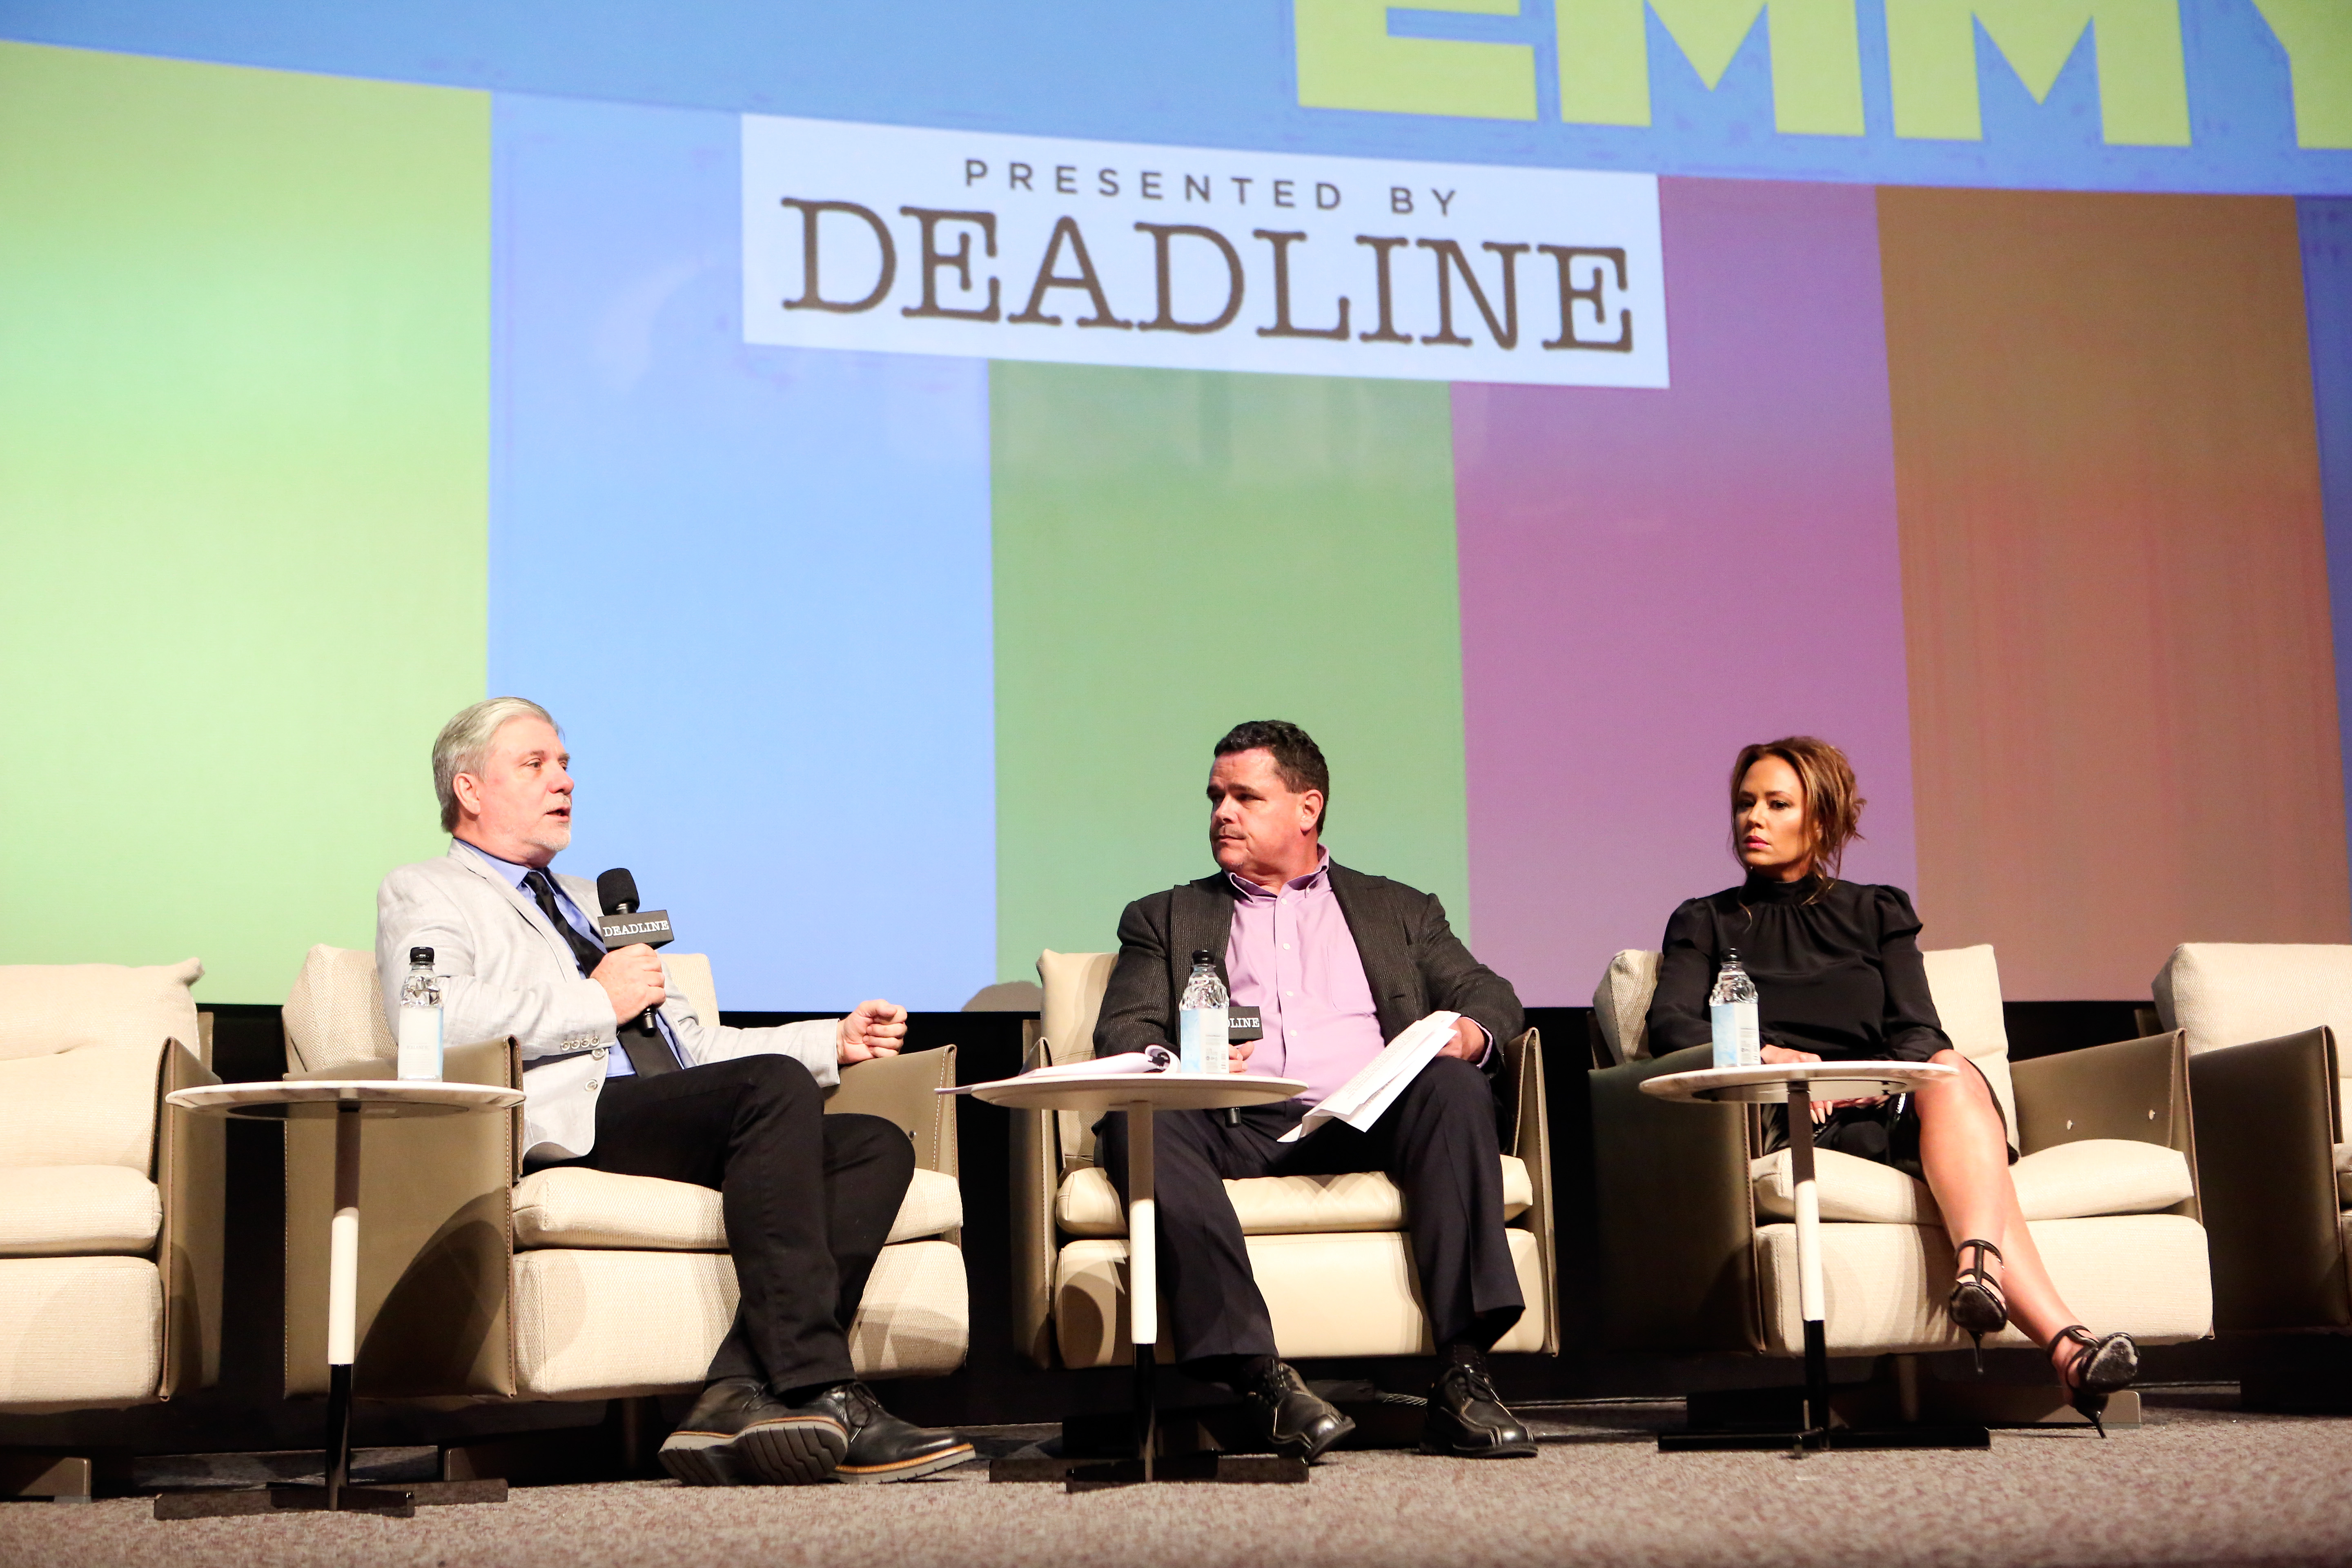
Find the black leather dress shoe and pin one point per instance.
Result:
(739, 1432)
(881, 1446)
(1291, 1417)
(1469, 1421)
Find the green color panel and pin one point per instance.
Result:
(244, 452)
(1178, 551)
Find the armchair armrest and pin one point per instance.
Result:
(1530, 1139)
(2266, 1118)
(2136, 1089)
(901, 1088)
(1036, 1174)
(192, 1173)
(1677, 1224)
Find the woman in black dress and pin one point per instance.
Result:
(1839, 977)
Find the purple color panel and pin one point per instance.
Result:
(1650, 580)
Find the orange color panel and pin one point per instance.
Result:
(2115, 584)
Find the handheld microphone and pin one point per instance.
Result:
(623, 923)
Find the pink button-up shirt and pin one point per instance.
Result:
(1291, 955)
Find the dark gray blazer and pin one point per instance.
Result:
(1414, 961)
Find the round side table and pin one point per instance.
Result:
(1139, 1095)
(350, 1102)
(1796, 1084)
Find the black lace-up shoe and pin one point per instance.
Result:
(881, 1446)
(1468, 1420)
(739, 1432)
(1291, 1419)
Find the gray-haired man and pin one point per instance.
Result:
(808, 1198)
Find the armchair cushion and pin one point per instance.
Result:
(1887, 1284)
(78, 1211)
(1073, 984)
(335, 1015)
(578, 1207)
(1620, 1004)
(1966, 984)
(80, 1333)
(2235, 993)
(2102, 1176)
(2073, 1180)
(1336, 1295)
(1088, 1205)
(95, 1106)
(579, 1316)
(47, 1008)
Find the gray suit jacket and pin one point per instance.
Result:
(509, 972)
(1414, 961)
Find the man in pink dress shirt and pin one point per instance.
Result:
(1339, 963)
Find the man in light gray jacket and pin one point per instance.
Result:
(621, 1074)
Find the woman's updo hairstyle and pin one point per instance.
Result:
(1833, 802)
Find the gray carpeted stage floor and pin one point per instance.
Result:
(2199, 1483)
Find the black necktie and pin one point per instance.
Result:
(649, 1053)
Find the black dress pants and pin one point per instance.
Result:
(808, 1197)
(1437, 1142)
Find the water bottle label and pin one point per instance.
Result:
(420, 1043)
(1737, 1041)
(1200, 1043)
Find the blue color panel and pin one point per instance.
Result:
(752, 583)
(2326, 226)
(1221, 73)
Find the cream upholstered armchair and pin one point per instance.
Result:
(111, 1201)
(1330, 1253)
(2262, 1023)
(1698, 1245)
(475, 1280)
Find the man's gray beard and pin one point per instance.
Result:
(555, 843)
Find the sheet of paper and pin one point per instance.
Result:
(1151, 1059)
(1362, 1100)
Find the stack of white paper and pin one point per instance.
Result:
(1362, 1099)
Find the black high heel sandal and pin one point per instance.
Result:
(2099, 1366)
(1976, 1304)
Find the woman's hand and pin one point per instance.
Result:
(1822, 1108)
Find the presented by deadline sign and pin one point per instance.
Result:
(940, 242)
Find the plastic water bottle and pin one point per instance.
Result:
(420, 1018)
(1202, 1042)
(1731, 1007)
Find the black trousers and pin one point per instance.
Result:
(808, 1197)
(1437, 1142)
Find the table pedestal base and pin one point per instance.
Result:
(1232, 1469)
(390, 1502)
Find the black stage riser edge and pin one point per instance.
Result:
(1845, 1437)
